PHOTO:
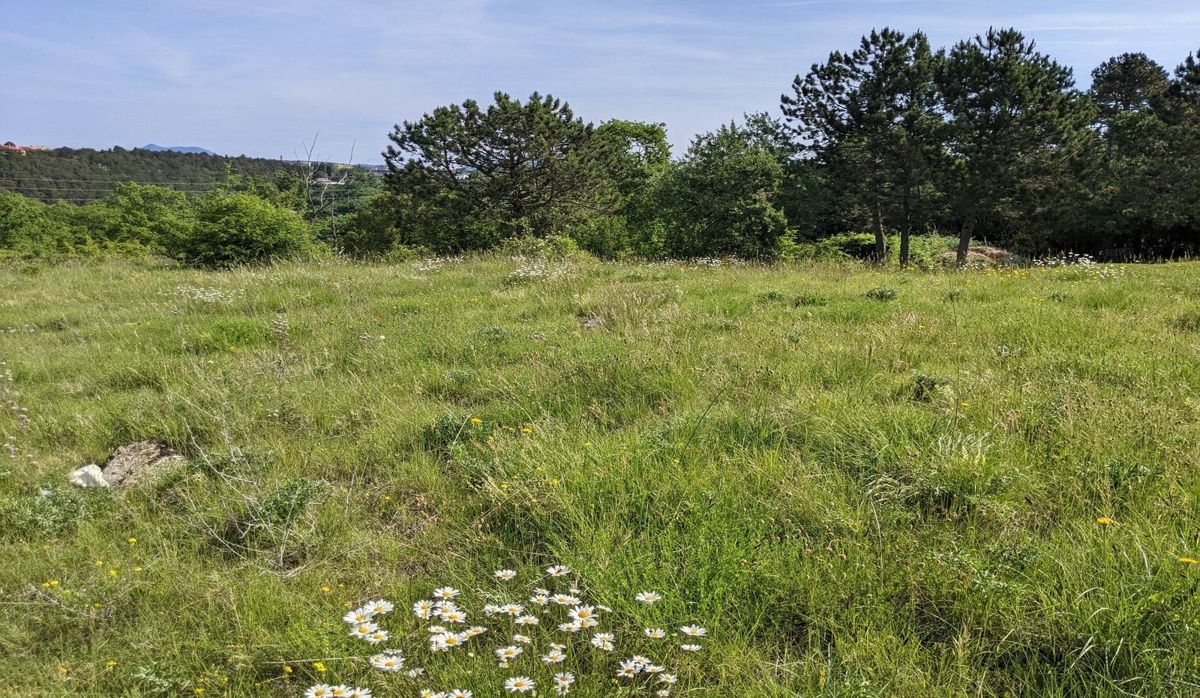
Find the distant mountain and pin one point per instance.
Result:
(177, 149)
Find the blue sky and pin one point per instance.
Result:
(262, 76)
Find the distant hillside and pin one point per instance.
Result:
(155, 148)
(67, 174)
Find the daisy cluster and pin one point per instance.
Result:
(534, 640)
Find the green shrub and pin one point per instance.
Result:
(234, 229)
(143, 216)
(552, 247)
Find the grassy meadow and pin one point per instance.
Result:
(861, 482)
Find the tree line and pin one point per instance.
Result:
(83, 175)
(987, 139)
(878, 151)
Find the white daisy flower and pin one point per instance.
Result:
(435, 629)
(339, 691)
(570, 627)
(558, 570)
(583, 612)
(378, 636)
(423, 609)
(508, 653)
(662, 693)
(588, 622)
(459, 693)
(321, 690)
(539, 600)
(451, 640)
(491, 609)
(512, 609)
(505, 574)
(519, 684)
(693, 631)
(430, 693)
(357, 692)
(474, 630)
(522, 639)
(359, 615)
(454, 616)
(541, 592)
(653, 669)
(564, 599)
(526, 620)
(443, 606)
(388, 662)
(557, 646)
(363, 630)
(415, 672)
(668, 679)
(379, 606)
(603, 641)
(562, 683)
(627, 670)
(642, 662)
(655, 633)
(648, 597)
(690, 648)
(554, 657)
(445, 593)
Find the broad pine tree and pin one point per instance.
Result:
(870, 116)
(515, 168)
(1013, 123)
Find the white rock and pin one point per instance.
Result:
(89, 475)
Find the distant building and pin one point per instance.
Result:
(10, 147)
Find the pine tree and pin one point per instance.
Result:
(870, 116)
(515, 168)
(1014, 121)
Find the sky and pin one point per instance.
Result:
(268, 77)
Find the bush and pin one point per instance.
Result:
(234, 229)
(718, 200)
(143, 216)
(552, 247)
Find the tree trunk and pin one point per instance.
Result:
(964, 239)
(906, 230)
(880, 240)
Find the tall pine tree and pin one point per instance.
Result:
(870, 116)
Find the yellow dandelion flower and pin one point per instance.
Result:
(476, 421)
(326, 589)
(287, 669)
(526, 430)
(319, 666)
(1105, 521)
(131, 540)
(1189, 561)
(110, 663)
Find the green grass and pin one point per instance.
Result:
(862, 482)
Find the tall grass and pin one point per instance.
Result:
(857, 492)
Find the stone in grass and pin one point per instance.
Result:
(130, 465)
(89, 475)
